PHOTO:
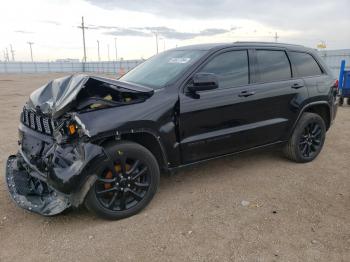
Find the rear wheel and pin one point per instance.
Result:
(307, 139)
(126, 183)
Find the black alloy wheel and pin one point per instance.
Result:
(123, 184)
(307, 139)
(126, 182)
(310, 140)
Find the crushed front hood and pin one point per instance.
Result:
(55, 97)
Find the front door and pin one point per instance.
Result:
(213, 122)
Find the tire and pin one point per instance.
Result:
(130, 187)
(348, 101)
(307, 139)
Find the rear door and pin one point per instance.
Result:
(278, 95)
(315, 79)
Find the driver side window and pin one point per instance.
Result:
(230, 67)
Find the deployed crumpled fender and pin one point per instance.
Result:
(69, 162)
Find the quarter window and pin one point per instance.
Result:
(304, 64)
(273, 65)
(230, 67)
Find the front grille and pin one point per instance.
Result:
(37, 122)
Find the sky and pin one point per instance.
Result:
(53, 25)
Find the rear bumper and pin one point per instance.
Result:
(334, 110)
(31, 193)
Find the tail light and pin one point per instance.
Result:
(336, 84)
(336, 87)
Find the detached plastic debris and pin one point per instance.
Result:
(245, 203)
(255, 204)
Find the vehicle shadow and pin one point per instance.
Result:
(231, 162)
(192, 174)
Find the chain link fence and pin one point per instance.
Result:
(331, 57)
(112, 67)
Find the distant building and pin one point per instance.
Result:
(67, 60)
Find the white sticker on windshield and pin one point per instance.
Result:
(179, 60)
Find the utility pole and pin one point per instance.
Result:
(109, 59)
(98, 50)
(13, 53)
(31, 51)
(115, 46)
(7, 55)
(162, 39)
(276, 37)
(83, 30)
(156, 33)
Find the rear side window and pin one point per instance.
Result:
(304, 64)
(273, 65)
(230, 67)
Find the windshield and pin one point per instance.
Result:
(163, 68)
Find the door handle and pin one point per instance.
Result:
(297, 86)
(246, 93)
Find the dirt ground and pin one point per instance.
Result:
(296, 212)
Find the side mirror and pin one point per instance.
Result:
(204, 81)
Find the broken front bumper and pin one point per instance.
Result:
(32, 193)
(46, 177)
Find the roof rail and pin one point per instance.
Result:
(267, 43)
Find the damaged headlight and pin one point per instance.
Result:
(68, 129)
(72, 129)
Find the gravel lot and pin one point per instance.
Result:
(296, 212)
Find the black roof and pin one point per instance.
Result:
(216, 46)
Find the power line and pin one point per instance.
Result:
(31, 51)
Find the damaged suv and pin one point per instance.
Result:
(104, 142)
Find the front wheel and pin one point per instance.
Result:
(307, 139)
(126, 182)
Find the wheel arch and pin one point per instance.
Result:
(322, 109)
(147, 139)
(151, 142)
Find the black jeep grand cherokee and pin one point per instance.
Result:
(103, 142)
